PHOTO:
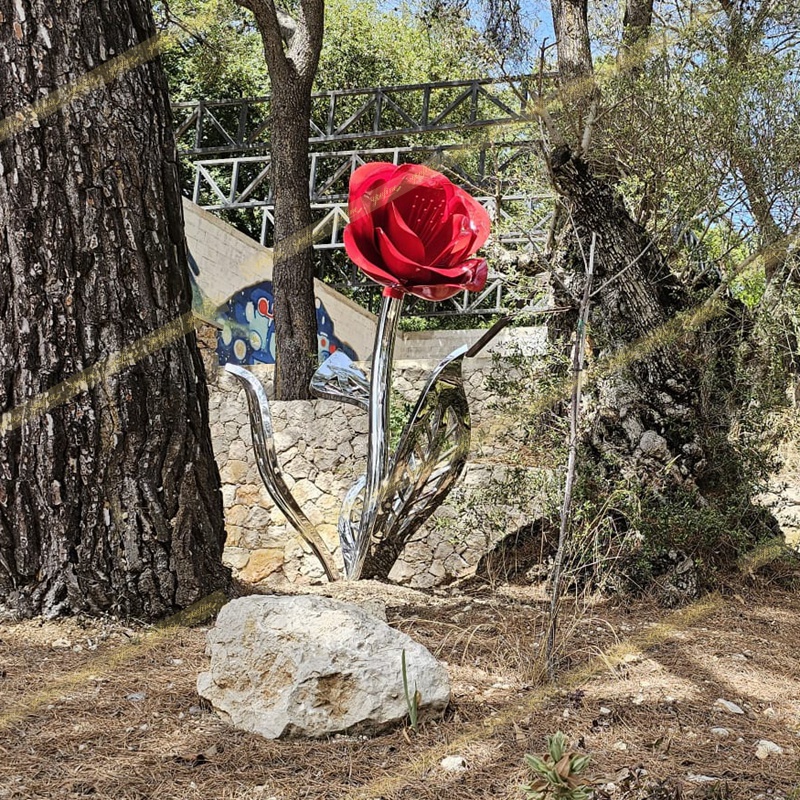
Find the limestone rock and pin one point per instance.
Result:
(453, 764)
(261, 564)
(313, 666)
(727, 705)
(765, 748)
(235, 557)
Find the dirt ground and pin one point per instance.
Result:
(104, 710)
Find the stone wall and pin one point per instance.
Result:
(782, 497)
(322, 449)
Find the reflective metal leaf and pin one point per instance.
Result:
(269, 468)
(338, 378)
(429, 459)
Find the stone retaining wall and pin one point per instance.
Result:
(321, 446)
(782, 497)
(322, 449)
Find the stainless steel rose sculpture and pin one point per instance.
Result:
(414, 232)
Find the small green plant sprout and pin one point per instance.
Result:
(412, 701)
(558, 774)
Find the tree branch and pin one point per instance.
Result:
(269, 26)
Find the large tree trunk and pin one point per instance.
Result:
(645, 417)
(109, 497)
(575, 71)
(664, 394)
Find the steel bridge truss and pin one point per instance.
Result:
(236, 179)
(233, 127)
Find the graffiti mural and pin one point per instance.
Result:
(247, 334)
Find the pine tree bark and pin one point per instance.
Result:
(109, 500)
(645, 418)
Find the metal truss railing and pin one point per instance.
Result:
(331, 218)
(520, 219)
(239, 184)
(239, 126)
(241, 181)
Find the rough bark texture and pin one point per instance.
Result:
(636, 21)
(293, 269)
(647, 420)
(291, 48)
(570, 23)
(635, 35)
(109, 501)
(575, 72)
(656, 394)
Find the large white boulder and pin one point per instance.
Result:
(314, 666)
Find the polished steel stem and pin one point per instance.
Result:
(380, 390)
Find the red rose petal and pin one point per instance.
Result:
(403, 237)
(365, 177)
(453, 236)
(423, 209)
(420, 175)
(366, 261)
(435, 294)
(479, 218)
(402, 267)
(360, 235)
(367, 189)
(480, 271)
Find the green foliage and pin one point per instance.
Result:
(559, 774)
(445, 323)
(748, 286)
(700, 131)
(367, 46)
(531, 392)
(399, 412)
(213, 50)
(714, 534)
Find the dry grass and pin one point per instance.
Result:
(119, 717)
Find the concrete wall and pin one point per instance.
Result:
(435, 345)
(230, 261)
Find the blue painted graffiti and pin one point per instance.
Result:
(248, 329)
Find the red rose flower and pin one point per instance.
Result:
(413, 231)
